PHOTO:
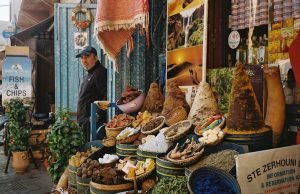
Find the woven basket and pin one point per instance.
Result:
(109, 142)
(176, 115)
(142, 176)
(128, 139)
(114, 132)
(101, 188)
(186, 124)
(155, 130)
(199, 132)
(188, 161)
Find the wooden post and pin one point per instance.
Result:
(204, 55)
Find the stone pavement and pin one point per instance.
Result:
(34, 181)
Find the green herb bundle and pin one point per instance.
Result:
(171, 186)
(64, 138)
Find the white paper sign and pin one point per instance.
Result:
(275, 171)
(234, 39)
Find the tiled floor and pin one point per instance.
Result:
(34, 181)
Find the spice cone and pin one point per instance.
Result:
(244, 115)
(204, 105)
(175, 98)
(154, 101)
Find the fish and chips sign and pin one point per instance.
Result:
(16, 74)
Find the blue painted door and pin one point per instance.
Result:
(68, 70)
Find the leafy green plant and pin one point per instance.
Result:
(18, 130)
(64, 138)
(221, 82)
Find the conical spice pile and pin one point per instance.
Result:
(154, 101)
(204, 105)
(175, 98)
(244, 113)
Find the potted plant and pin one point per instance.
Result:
(64, 138)
(18, 132)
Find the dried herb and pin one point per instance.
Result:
(171, 186)
(223, 160)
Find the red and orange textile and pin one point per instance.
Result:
(294, 52)
(115, 22)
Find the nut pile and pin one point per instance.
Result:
(77, 159)
(89, 169)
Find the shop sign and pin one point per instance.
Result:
(270, 171)
(234, 39)
(6, 34)
(16, 73)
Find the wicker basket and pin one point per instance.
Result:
(155, 130)
(101, 188)
(199, 132)
(176, 115)
(141, 177)
(188, 161)
(114, 132)
(129, 139)
(110, 142)
(186, 124)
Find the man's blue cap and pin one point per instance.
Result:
(87, 51)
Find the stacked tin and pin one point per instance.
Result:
(263, 8)
(248, 13)
(234, 14)
(241, 14)
(278, 10)
(287, 9)
(296, 9)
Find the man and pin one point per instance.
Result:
(93, 87)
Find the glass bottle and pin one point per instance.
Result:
(250, 53)
(241, 53)
(255, 47)
(244, 53)
(262, 50)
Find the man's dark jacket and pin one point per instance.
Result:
(93, 87)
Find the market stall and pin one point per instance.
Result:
(180, 143)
